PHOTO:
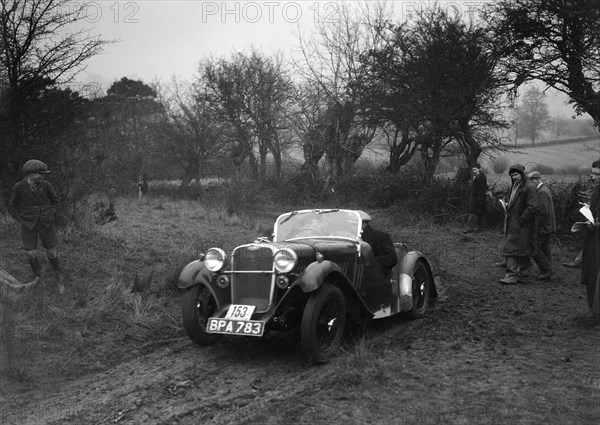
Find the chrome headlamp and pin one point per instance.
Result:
(215, 259)
(285, 260)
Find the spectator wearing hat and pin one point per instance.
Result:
(33, 204)
(519, 227)
(477, 199)
(546, 226)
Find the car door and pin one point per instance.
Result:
(369, 279)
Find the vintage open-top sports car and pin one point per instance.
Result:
(316, 275)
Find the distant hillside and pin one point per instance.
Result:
(573, 157)
(560, 141)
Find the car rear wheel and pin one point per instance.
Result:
(421, 290)
(323, 323)
(197, 306)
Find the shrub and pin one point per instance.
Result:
(299, 189)
(242, 195)
(565, 197)
(572, 170)
(405, 191)
(545, 169)
(500, 164)
(365, 166)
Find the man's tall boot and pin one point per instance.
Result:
(58, 275)
(35, 266)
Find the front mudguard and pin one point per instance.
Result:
(316, 273)
(196, 273)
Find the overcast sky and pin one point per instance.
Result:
(159, 39)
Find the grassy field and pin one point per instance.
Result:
(573, 159)
(120, 288)
(564, 159)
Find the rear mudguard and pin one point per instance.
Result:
(196, 273)
(315, 274)
(406, 268)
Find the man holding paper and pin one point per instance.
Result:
(590, 271)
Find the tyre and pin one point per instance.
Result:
(421, 290)
(198, 304)
(323, 323)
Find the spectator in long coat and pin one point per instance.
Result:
(520, 227)
(477, 200)
(590, 271)
(546, 226)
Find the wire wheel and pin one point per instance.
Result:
(198, 305)
(323, 323)
(421, 290)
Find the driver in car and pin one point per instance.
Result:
(381, 242)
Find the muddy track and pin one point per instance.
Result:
(237, 380)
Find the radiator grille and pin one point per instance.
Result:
(252, 288)
(253, 258)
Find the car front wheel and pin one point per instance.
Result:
(198, 305)
(421, 290)
(323, 323)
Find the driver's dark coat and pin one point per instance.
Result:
(29, 206)
(383, 247)
(521, 221)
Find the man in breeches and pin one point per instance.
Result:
(33, 204)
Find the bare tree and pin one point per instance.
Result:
(192, 134)
(515, 123)
(554, 41)
(434, 82)
(309, 126)
(330, 60)
(40, 47)
(268, 105)
(558, 125)
(252, 94)
(533, 114)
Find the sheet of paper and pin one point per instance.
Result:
(579, 226)
(503, 203)
(587, 213)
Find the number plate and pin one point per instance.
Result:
(240, 312)
(235, 327)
